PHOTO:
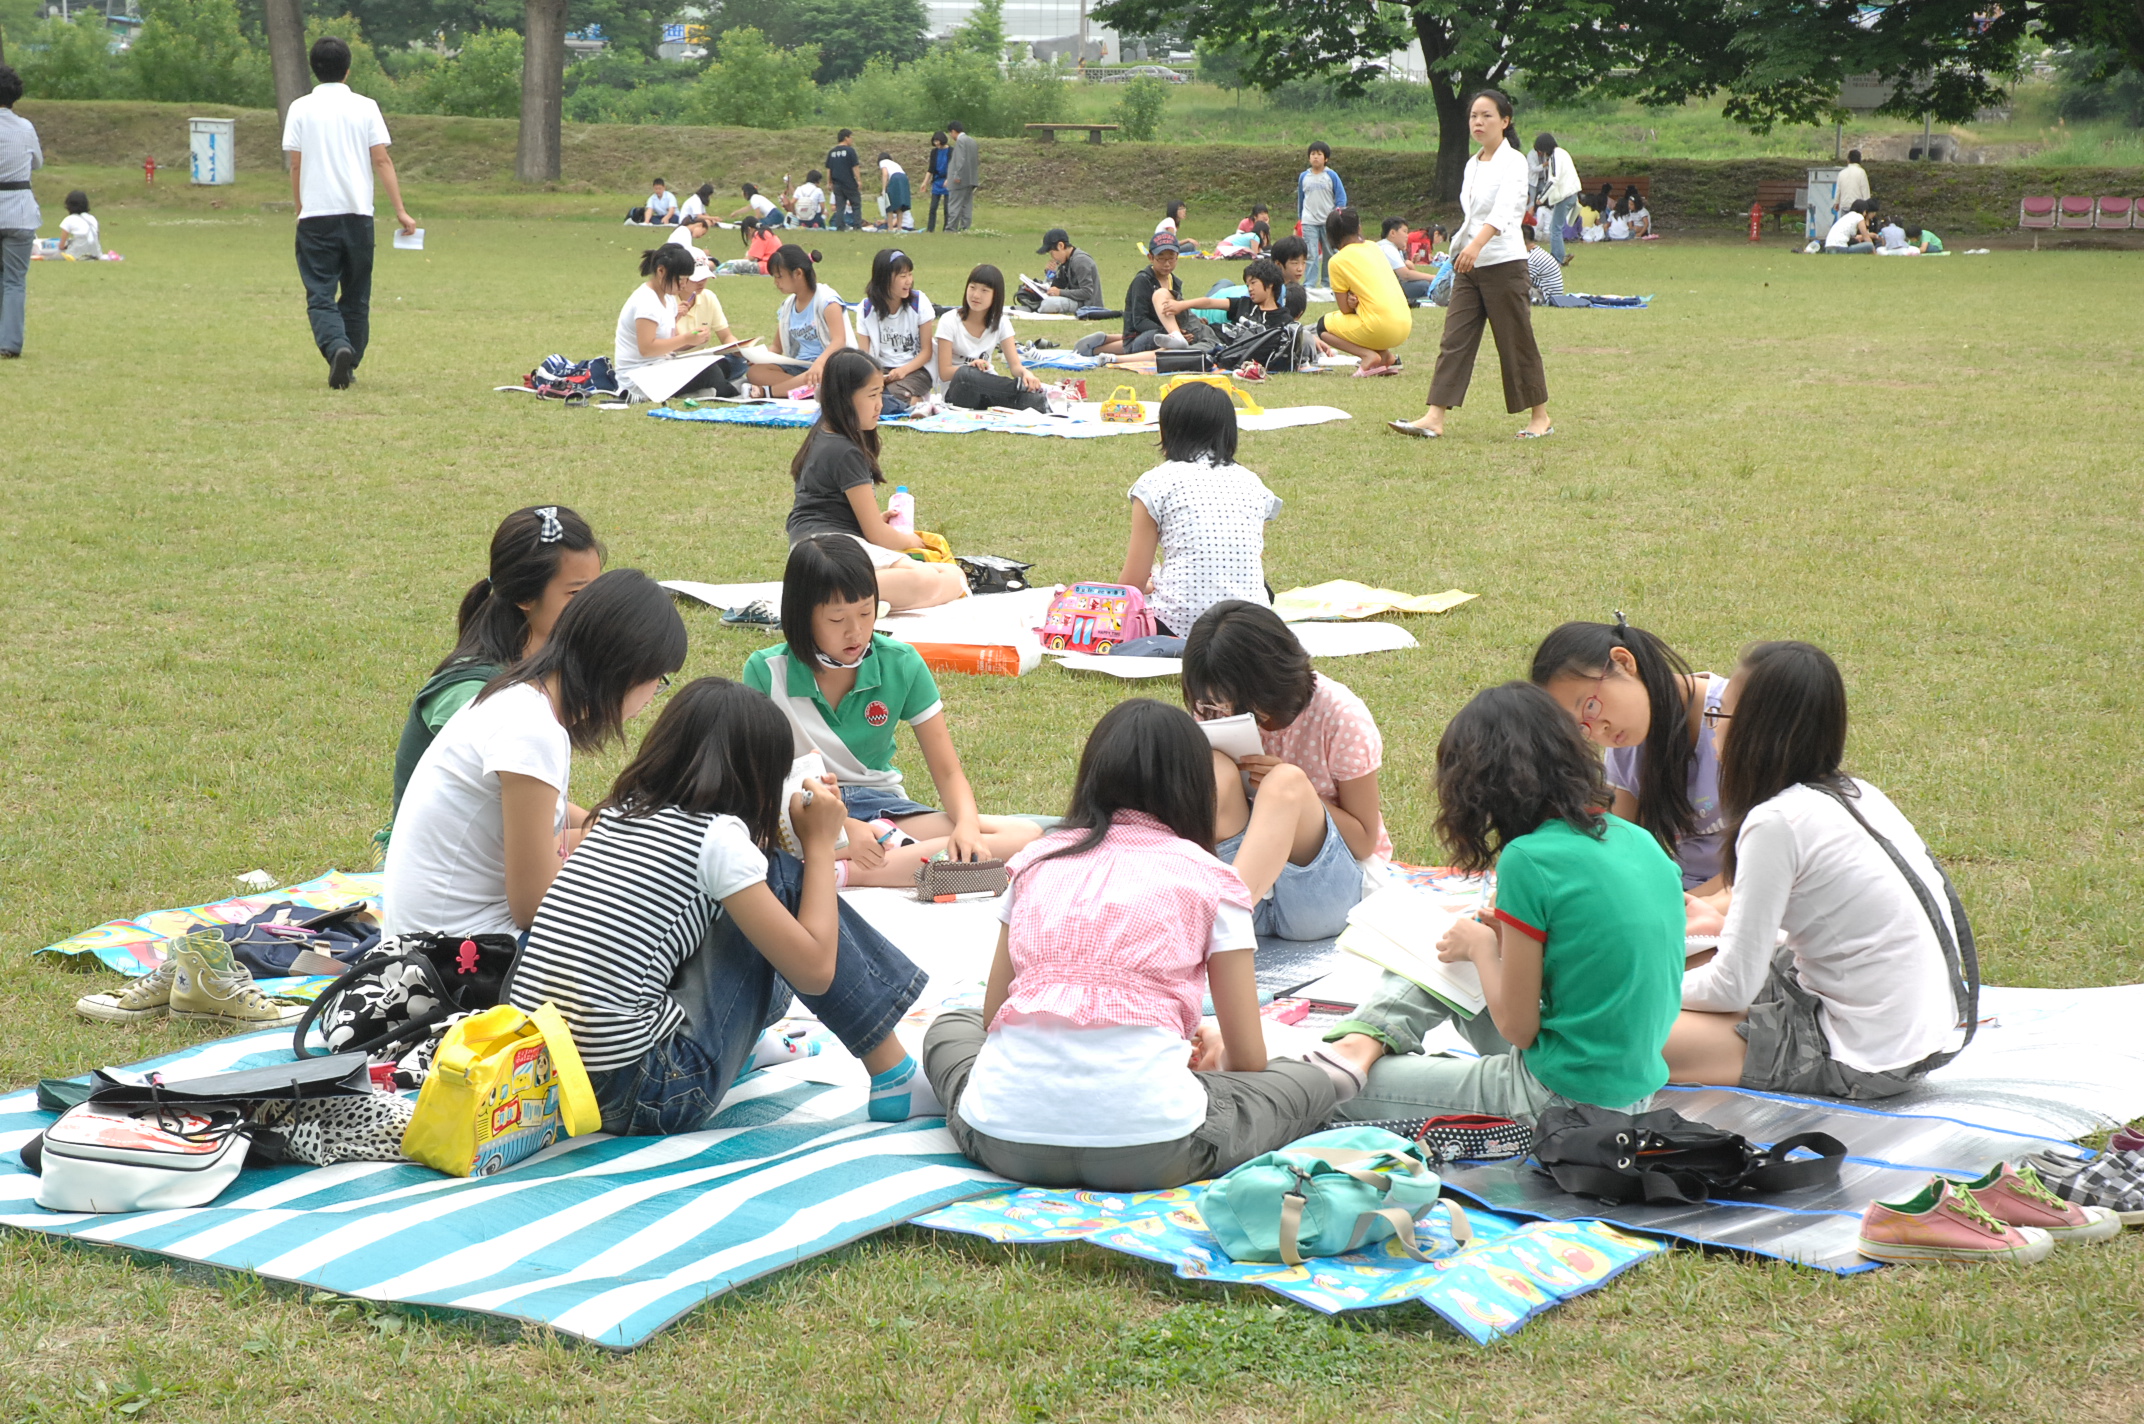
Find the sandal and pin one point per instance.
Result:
(1537, 434)
(1413, 431)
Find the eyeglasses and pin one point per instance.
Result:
(662, 684)
(1714, 716)
(1589, 711)
(1212, 711)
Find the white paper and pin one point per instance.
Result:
(659, 380)
(1398, 929)
(410, 241)
(1237, 736)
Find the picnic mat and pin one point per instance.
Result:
(1320, 640)
(1342, 599)
(1086, 423)
(606, 1239)
(1511, 1272)
(137, 946)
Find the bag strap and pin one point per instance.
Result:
(1770, 1171)
(1614, 1187)
(576, 1095)
(371, 963)
(1959, 956)
(1291, 1224)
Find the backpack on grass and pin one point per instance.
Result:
(1325, 1195)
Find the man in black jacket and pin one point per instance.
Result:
(1078, 280)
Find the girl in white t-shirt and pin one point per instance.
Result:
(647, 323)
(81, 240)
(965, 338)
(480, 834)
(1202, 511)
(894, 329)
(761, 208)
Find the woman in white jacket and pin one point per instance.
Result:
(1554, 180)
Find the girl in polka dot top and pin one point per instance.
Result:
(1205, 513)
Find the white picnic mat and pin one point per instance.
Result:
(1320, 640)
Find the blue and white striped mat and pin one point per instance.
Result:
(608, 1239)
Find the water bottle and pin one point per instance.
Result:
(901, 510)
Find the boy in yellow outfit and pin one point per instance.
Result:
(1374, 319)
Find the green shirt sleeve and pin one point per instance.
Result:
(1522, 892)
(756, 675)
(449, 700)
(922, 699)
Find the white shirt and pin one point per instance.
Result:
(1843, 231)
(811, 201)
(661, 205)
(681, 235)
(896, 337)
(1213, 537)
(1397, 258)
(1043, 1080)
(692, 207)
(333, 130)
(82, 237)
(1493, 194)
(1894, 236)
(762, 205)
(1562, 177)
(887, 168)
(644, 303)
(446, 866)
(966, 347)
(1852, 186)
(20, 156)
(1861, 941)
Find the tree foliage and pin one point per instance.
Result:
(848, 33)
(195, 51)
(983, 32)
(754, 84)
(1138, 108)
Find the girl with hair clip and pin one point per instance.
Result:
(1634, 695)
(1088, 1064)
(540, 558)
(810, 324)
(1580, 959)
(647, 324)
(834, 472)
(1298, 818)
(479, 837)
(1205, 513)
(846, 688)
(893, 328)
(675, 935)
(965, 338)
(1832, 976)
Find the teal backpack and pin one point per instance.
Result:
(1321, 1195)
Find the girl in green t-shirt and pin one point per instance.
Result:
(1581, 958)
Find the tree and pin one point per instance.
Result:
(284, 21)
(983, 32)
(754, 84)
(848, 33)
(193, 51)
(73, 60)
(1139, 106)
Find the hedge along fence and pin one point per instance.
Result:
(1222, 179)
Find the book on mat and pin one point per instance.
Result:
(1033, 286)
(1237, 736)
(758, 355)
(735, 343)
(1397, 929)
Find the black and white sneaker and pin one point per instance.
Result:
(342, 362)
(2114, 1180)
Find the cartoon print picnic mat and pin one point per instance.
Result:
(136, 946)
(1512, 1272)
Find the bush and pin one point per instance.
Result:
(616, 87)
(2091, 86)
(1031, 94)
(63, 60)
(1139, 108)
(947, 84)
(193, 51)
(754, 84)
(482, 80)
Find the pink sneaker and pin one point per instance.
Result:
(2018, 1196)
(2129, 1139)
(1940, 1223)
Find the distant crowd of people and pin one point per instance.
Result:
(832, 197)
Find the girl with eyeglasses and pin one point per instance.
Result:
(1634, 695)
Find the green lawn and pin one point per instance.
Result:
(223, 582)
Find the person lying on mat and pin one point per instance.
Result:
(835, 471)
(1580, 959)
(1374, 319)
(1089, 1064)
(481, 830)
(1311, 810)
(845, 688)
(1857, 1001)
(810, 325)
(540, 558)
(963, 341)
(680, 929)
(1202, 511)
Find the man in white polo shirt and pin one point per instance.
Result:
(337, 142)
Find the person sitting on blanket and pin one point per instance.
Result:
(1374, 319)
(1297, 820)
(810, 324)
(893, 326)
(1172, 217)
(845, 688)
(1544, 273)
(1579, 957)
(540, 558)
(965, 337)
(661, 206)
(1831, 977)
(1248, 243)
(483, 825)
(834, 472)
(760, 208)
(1202, 511)
(1074, 280)
(807, 204)
(680, 929)
(1089, 1064)
(1414, 281)
(760, 245)
(1151, 305)
(1260, 304)
(695, 202)
(647, 323)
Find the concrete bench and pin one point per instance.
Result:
(1048, 132)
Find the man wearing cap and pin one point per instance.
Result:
(1075, 279)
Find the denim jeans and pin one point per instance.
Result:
(334, 252)
(730, 994)
(938, 200)
(15, 245)
(1315, 274)
(1308, 902)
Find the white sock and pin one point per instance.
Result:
(902, 1092)
(777, 1045)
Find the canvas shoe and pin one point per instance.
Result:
(2129, 1139)
(148, 997)
(2016, 1195)
(209, 986)
(2114, 1180)
(1942, 1224)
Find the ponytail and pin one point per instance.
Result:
(525, 553)
(1584, 650)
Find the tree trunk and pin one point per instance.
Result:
(286, 54)
(1449, 92)
(543, 91)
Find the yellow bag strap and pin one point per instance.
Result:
(470, 1039)
(576, 1095)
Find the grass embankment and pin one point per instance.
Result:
(614, 162)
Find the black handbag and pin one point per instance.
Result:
(989, 573)
(1662, 1156)
(1272, 347)
(401, 994)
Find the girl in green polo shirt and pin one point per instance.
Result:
(845, 688)
(1581, 959)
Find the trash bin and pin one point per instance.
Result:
(214, 145)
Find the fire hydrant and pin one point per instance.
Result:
(1756, 221)
(148, 170)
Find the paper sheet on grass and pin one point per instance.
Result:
(1342, 599)
(660, 380)
(1320, 640)
(1085, 422)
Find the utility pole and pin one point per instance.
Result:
(1082, 34)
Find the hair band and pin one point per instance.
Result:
(894, 256)
(551, 531)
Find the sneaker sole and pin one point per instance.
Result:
(112, 1013)
(1900, 1254)
(2104, 1229)
(341, 366)
(284, 1020)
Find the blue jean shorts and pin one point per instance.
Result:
(1308, 901)
(868, 803)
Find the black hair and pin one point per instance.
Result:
(78, 201)
(330, 59)
(619, 632)
(1241, 654)
(1267, 271)
(706, 191)
(1320, 146)
(843, 135)
(1257, 208)
(719, 748)
(10, 86)
(1264, 230)
(1545, 144)
(791, 258)
(1526, 230)
(751, 190)
(823, 569)
(660, 183)
(956, 127)
(673, 260)
(1789, 729)
(1287, 249)
(1174, 208)
(882, 157)
(1508, 763)
(1585, 650)
(992, 278)
(812, 175)
(1198, 422)
(1630, 190)
(1502, 103)
(490, 625)
(1853, 155)
(846, 372)
(889, 263)
(938, 138)
(1390, 223)
(1342, 224)
(1916, 232)
(1143, 756)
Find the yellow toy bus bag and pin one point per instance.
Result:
(504, 1085)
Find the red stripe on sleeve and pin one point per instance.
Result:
(1537, 936)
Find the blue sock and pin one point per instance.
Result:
(902, 1092)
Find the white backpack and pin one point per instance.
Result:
(139, 1157)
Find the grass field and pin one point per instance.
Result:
(223, 583)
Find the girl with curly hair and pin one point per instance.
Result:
(1580, 959)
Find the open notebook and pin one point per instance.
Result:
(1397, 929)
